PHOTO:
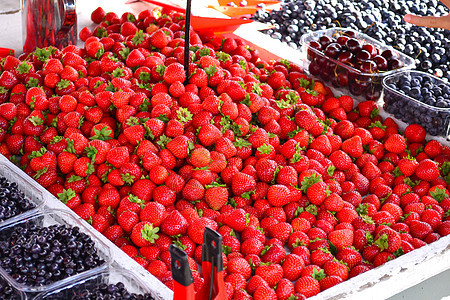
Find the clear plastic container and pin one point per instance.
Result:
(32, 193)
(45, 219)
(112, 276)
(435, 120)
(343, 76)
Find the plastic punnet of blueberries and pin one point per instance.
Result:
(12, 200)
(35, 256)
(416, 97)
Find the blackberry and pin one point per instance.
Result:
(12, 200)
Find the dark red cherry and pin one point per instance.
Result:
(371, 49)
(332, 50)
(395, 64)
(382, 63)
(368, 67)
(342, 40)
(350, 33)
(345, 57)
(362, 55)
(389, 54)
(353, 45)
(325, 41)
(316, 45)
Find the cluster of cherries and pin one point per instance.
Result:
(364, 61)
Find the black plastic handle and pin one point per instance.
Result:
(212, 248)
(181, 272)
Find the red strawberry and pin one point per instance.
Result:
(144, 234)
(407, 166)
(174, 224)
(307, 286)
(341, 238)
(353, 146)
(395, 144)
(427, 170)
(216, 196)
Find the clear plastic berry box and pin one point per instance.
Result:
(435, 120)
(365, 86)
(46, 219)
(113, 275)
(33, 194)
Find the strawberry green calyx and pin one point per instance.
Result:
(138, 38)
(163, 141)
(43, 54)
(70, 146)
(131, 18)
(74, 178)
(362, 209)
(398, 252)
(211, 70)
(222, 56)
(128, 178)
(292, 297)
(317, 275)
(101, 32)
(160, 69)
(39, 153)
(312, 92)
(369, 238)
(304, 83)
(184, 115)
(247, 100)
(312, 209)
(204, 52)
(266, 248)
(124, 52)
(256, 88)
(330, 170)
(117, 73)
(131, 121)
(445, 168)
(286, 63)
(63, 83)
(23, 68)
(66, 195)
(309, 181)
(247, 195)
(266, 149)
(179, 244)
(40, 172)
(240, 143)
(149, 233)
(102, 134)
(163, 117)
(226, 249)
(214, 184)
(377, 124)
(145, 76)
(439, 194)
(382, 242)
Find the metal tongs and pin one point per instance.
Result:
(212, 268)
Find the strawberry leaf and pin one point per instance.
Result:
(103, 134)
(138, 38)
(149, 233)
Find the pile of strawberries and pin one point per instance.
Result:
(306, 190)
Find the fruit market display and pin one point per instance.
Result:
(382, 20)
(306, 189)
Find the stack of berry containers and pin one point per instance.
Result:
(357, 72)
(105, 283)
(18, 198)
(37, 251)
(420, 98)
